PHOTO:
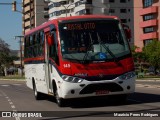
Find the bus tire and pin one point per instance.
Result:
(37, 94)
(60, 101)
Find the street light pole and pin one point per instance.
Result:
(20, 43)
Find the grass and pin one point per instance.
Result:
(13, 77)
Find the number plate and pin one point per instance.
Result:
(102, 92)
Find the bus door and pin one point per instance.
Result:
(50, 52)
(47, 68)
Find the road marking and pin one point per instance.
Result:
(11, 103)
(17, 84)
(134, 100)
(5, 85)
(12, 106)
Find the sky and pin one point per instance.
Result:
(10, 23)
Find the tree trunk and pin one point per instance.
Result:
(155, 70)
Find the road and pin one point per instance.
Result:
(152, 83)
(15, 96)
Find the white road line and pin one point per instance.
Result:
(14, 110)
(5, 85)
(11, 103)
(17, 84)
(12, 106)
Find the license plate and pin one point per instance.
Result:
(102, 92)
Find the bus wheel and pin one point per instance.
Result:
(36, 94)
(60, 101)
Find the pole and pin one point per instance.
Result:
(20, 47)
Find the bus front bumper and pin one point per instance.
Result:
(96, 88)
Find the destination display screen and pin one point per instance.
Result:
(80, 26)
(95, 37)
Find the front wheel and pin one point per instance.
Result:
(60, 101)
(37, 94)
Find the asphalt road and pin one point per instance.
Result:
(152, 82)
(15, 96)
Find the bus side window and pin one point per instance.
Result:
(26, 45)
(41, 44)
(30, 48)
(34, 46)
(38, 43)
(53, 49)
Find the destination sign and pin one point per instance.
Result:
(80, 26)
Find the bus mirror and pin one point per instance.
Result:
(50, 40)
(128, 33)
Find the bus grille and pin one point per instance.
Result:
(91, 88)
(101, 78)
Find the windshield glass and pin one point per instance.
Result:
(93, 40)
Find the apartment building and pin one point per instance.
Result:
(33, 13)
(146, 22)
(121, 8)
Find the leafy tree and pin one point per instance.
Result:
(4, 55)
(138, 56)
(152, 52)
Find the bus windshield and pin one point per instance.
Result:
(93, 40)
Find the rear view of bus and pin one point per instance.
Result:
(92, 58)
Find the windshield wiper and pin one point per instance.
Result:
(107, 49)
(89, 47)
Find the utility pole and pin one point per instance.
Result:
(20, 47)
(14, 6)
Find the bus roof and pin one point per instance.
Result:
(69, 18)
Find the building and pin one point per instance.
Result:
(146, 22)
(33, 14)
(121, 8)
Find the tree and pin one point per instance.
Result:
(152, 51)
(4, 55)
(138, 56)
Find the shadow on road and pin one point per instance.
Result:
(135, 98)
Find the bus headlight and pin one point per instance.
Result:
(127, 75)
(71, 79)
